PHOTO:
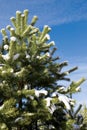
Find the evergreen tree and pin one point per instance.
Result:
(31, 97)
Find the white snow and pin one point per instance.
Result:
(19, 12)
(52, 108)
(11, 70)
(13, 38)
(42, 91)
(47, 36)
(1, 107)
(38, 57)
(1, 67)
(54, 94)
(52, 42)
(6, 56)
(8, 26)
(31, 97)
(3, 72)
(51, 127)
(25, 86)
(6, 47)
(48, 54)
(3, 29)
(12, 29)
(48, 100)
(78, 88)
(22, 15)
(46, 26)
(65, 100)
(62, 89)
(27, 56)
(11, 19)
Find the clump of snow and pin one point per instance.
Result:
(6, 56)
(2, 30)
(38, 57)
(46, 26)
(18, 12)
(54, 94)
(48, 54)
(51, 127)
(52, 108)
(39, 92)
(63, 89)
(22, 15)
(78, 88)
(47, 36)
(6, 47)
(31, 97)
(53, 43)
(1, 107)
(13, 38)
(65, 100)
(8, 26)
(48, 100)
(12, 29)
(27, 56)
(11, 19)
(11, 70)
(25, 86)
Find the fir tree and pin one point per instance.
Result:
(31, 97)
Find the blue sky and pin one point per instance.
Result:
(68, 20)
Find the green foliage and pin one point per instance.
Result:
(30, 95)
(83, 112)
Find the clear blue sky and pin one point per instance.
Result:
(68, 20)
